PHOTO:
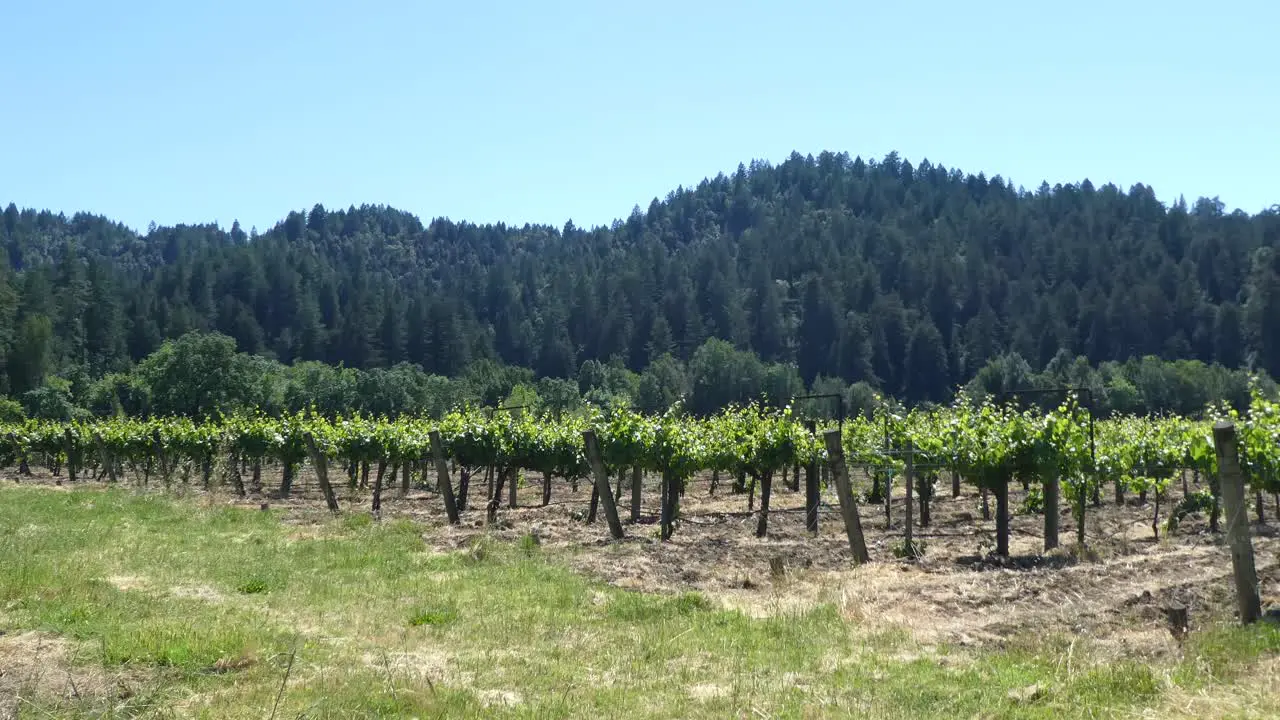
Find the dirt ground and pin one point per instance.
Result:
(1116, 593)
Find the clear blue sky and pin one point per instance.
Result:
(546, 111)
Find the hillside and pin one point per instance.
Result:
(910, 278)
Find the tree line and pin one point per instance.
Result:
(906, 281)
(203, 375)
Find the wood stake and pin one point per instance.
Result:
(321, 464)
(909, 473)
(602, 483)
(812, 496)
(1231, 481)
(1002, 516)
(848, 505)
(513, 484)
(1051, 491)
(442, 477)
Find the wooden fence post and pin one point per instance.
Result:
(592, 448)
(1231, 479)
(848, 505)
(442, 477)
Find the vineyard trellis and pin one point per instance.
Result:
(984, 443)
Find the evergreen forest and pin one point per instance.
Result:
(873, 279)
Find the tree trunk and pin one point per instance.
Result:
(405, 479)
(888, 499)
(464, 486)
(546, 489)
(924, 490)
(500, 477)
(669, 505)
(1080, 519)
(595, 504)
(1155, 519)
(766, 491)
(286, 480)
(1215, 489)
(637, 483)
(377, 490)
(236, 481)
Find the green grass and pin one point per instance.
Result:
(198, 608)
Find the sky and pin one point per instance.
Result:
(193, 112)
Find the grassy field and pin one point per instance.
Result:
(124, 605)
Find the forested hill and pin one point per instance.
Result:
(909, 277)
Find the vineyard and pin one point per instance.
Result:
(1062, 455)
(410, 551)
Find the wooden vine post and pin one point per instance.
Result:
(908, 546)
(666, 514)
(1002, 513)
(1231, 479)
(442, 477)
(848, 505)
(1051, 490)
(1080, 520)
(321, 464)
(592, 447)
(812, 490)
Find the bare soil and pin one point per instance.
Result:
(1116, 592)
